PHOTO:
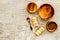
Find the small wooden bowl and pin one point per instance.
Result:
(46, 11)
(51, 26)
(32, 7)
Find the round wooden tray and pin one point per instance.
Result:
(46, 11)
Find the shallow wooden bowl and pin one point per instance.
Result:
(46, 11)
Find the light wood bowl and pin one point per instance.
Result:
(46, 11)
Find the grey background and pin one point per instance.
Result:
(13, 25)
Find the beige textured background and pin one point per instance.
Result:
(13, 25)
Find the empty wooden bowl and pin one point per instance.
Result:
(46, 11)
(51, 26)
(32, 7)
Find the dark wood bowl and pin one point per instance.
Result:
(51, 26)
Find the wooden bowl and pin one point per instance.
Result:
(32, 7)
(46, 11)
(51, 26)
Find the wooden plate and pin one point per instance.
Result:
(46, 11)
(32, 7)
(51, 26)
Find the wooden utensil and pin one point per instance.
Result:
(28, 20)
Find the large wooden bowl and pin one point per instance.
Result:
(46, 11)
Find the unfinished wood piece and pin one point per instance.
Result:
(39, 31)
(34, 22)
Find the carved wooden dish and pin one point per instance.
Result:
(32, 7)
(51, 26)
(46, 11)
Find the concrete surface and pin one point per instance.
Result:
(13, 25)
